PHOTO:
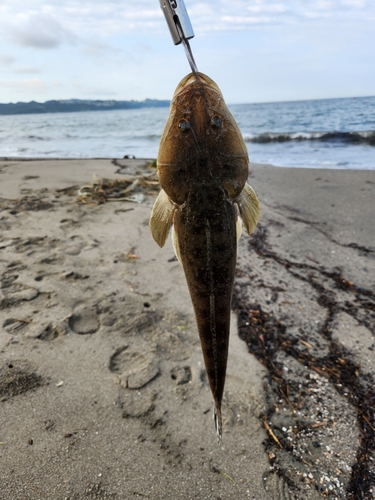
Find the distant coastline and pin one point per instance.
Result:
(76, 105)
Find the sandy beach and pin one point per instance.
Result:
(103, 392)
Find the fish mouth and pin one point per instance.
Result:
(191, 79)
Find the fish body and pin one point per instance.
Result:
(203, 166)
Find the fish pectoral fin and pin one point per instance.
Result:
(249, 207)
(161, 218)
(176, 245)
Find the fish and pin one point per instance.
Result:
(203, 167)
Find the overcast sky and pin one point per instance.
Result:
(256, 51)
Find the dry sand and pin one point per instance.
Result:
(102, 384)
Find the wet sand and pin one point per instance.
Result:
(103, 393)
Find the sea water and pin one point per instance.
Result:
(327, 133)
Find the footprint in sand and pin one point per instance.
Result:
(53, 259)
(129, 315)
(13, 326)
(46, 331)
(134, 365)
(17, 377)
(8, 279)
(181, 374)
(73, 276)
(136, 404)
(13, 294)
(28, 245)
(84, 321)
(68, 223)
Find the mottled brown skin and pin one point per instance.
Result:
(206, 229)
(203, 167)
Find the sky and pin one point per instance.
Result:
(256, 51)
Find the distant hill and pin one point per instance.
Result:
(74, 105)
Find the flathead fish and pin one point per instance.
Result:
(203, 167)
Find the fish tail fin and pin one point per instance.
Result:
(218, 423)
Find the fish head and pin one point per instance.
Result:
(201, 142)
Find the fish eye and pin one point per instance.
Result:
(216, 121)
(184, 126)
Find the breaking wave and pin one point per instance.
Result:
(364, 137)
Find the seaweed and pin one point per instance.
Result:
(267, 336)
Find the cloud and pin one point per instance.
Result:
(246, 20)
(106, 19)
(270, 8)
(6, 60)
(100, 49)
(41, 31)
(26, 70)
(27, 85)
(97, 90)
(117, 44)
(355, 3)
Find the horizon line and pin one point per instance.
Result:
(161, 100)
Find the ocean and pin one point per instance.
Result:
(326, 133)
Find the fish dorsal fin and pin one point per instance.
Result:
(161, 218)
(248, 204)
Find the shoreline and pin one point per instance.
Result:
(102, 387)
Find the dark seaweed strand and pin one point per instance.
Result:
(265, 335)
